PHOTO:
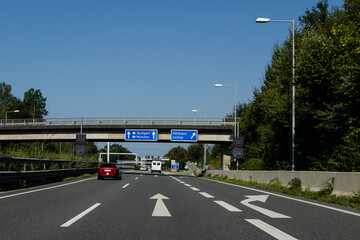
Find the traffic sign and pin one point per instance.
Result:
(141, 134)
(238, 142)
(184, 135)
(238, 152)
(175, 166)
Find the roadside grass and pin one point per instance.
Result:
(294, 188)
(79, 177)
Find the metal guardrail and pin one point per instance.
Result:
(15, 176)
(119, 121)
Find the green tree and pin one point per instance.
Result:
(35, 103)
(179, 154)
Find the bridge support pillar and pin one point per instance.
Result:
(225, 156)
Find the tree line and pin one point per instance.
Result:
(327, 110)
(327, 96)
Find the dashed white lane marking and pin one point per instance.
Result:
(206, 195)
(188, 185)
(276, 233)
(181, 182)
(286, 197)
(195, 189)
(136, 178)
(228, 206)
(156, 176)
(126, 185)
(76, 218)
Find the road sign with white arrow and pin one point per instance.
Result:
(261, 198)
(141, 135)
(184, 135)
(160, 209)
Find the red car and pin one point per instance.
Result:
(109, 170)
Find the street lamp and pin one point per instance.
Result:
(14, 111)
(234, 86)
(266, 20)
(205, 145)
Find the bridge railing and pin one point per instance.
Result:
(119, 121)
(23, 169)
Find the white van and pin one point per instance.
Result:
(156, 166)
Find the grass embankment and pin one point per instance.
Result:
(294, 188)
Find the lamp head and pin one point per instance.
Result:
(262, 20)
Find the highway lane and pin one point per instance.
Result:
(199, 209)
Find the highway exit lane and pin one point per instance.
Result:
(124, 209)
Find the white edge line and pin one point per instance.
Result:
(286, 197)
(76, 218)
(47, 188)
(276, 233)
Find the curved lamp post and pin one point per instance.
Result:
(14, 111)
(266, 20)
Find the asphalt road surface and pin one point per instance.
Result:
(167, 206)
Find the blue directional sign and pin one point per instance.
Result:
(141, 135)
(175, 166)
(184, 135)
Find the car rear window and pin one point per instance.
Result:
(108, 165)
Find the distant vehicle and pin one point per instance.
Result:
(143, 168)
(109, 170)
(156, 166)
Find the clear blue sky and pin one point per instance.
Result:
(140, 58)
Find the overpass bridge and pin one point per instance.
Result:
(209, 130)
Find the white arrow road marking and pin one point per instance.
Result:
(228, 206)
(206, 195)
(74, 219)
(160, 209)
(276, 233)
(261, 198)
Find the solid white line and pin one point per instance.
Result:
(195, 189)
(276, 233)
(228, 206)
(48, 188)
(126, 185)
(74, 219)
(286, 197)
(206, 195)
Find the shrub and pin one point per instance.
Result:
(295, 184)
(327, 187)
